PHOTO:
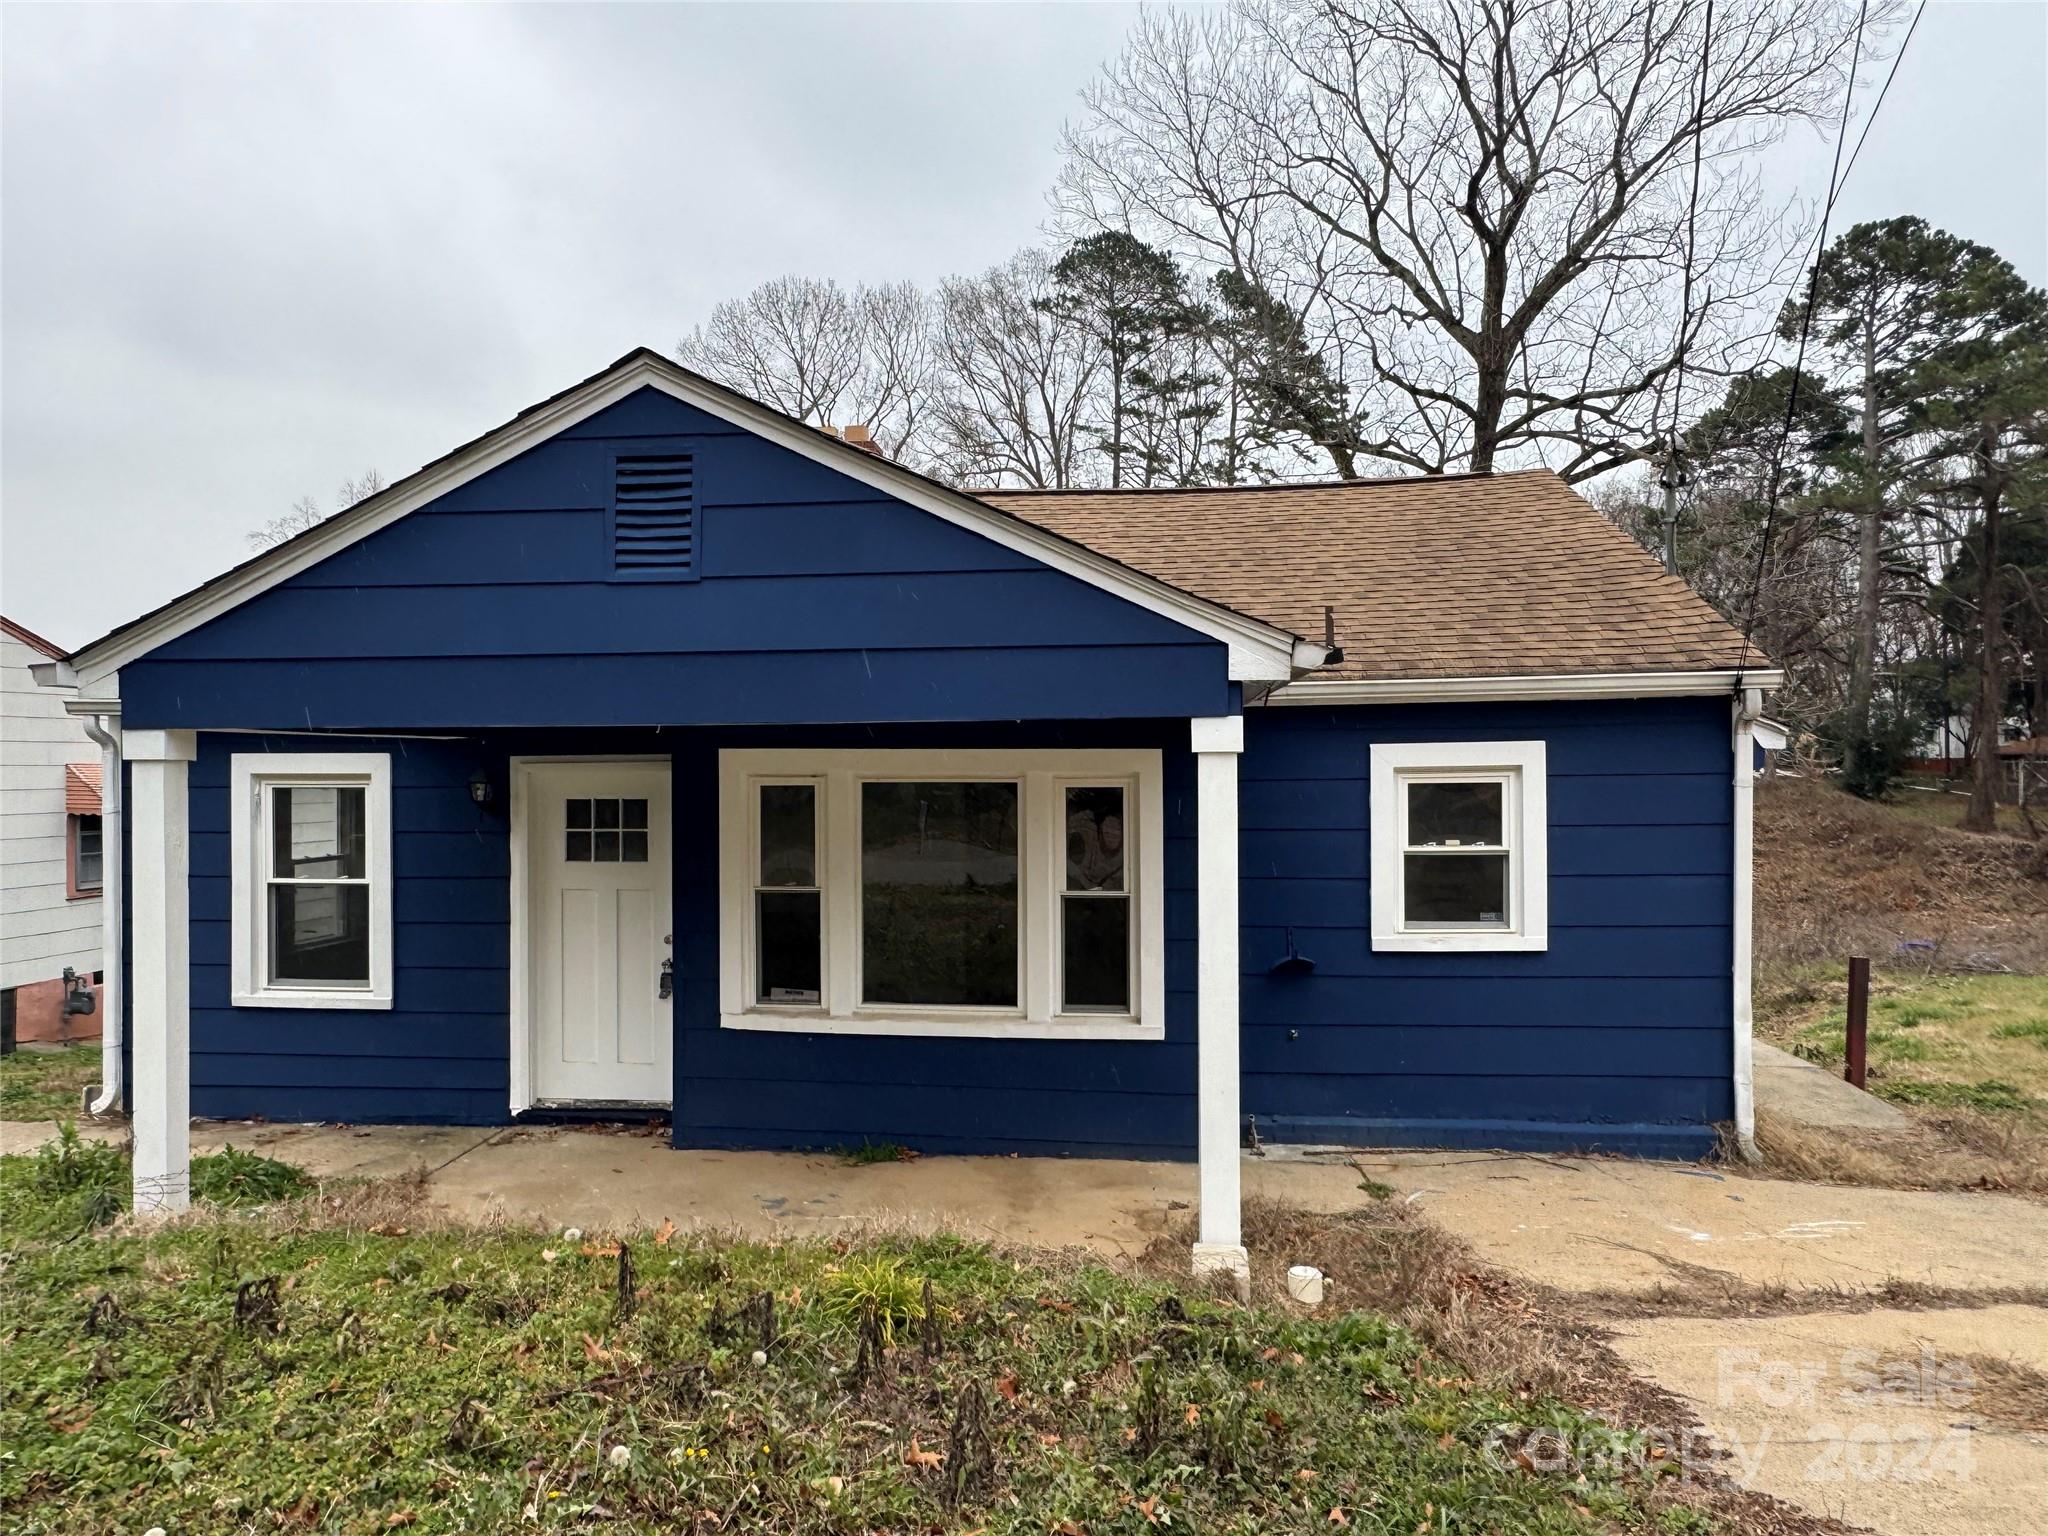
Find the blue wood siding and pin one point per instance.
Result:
(441, 1052)
(1617, 1036)
(820, 600)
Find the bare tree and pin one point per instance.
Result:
(825, 355)
(1481, 208)
(1018, 381)
(306, 512)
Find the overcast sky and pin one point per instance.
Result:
(246, 252)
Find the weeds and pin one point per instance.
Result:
(292, 1368)
(74, 1185)
(47, 1085)
(877, 1285)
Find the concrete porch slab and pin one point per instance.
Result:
(1810, 1095)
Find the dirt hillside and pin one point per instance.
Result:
(1835, 874)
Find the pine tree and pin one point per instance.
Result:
(1129, 298)
(1289, 389)
(1881, 306)
(1983, 421)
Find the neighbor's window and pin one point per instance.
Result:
(1458, 856)
(975, 892)
(87, 856)
(311, 850)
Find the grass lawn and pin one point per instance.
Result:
(319, 1365)
(47, 1085)
(1942, 805)
(1973, 1042)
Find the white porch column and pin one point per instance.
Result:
(1220, 1242)
(162, 1038)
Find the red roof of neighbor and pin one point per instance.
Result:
(81, 789)
(30, 638)
(1498, 575)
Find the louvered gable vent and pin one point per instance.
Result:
(654, 516)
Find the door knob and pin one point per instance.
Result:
(668, 980)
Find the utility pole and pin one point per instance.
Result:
(1672, 478)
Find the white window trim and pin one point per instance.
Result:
(250, 774)
(1044, 777)
(1526, 808)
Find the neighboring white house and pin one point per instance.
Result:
(51, 858)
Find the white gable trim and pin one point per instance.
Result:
(1259, 652)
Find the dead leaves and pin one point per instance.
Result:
(69, 1421)
(922, 1460)
(664, 1232)
(1007, 1386)
(593, 1349)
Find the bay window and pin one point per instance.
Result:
(1459, 846)
(968, 892)
(310, 844)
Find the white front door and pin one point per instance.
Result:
(598, 927)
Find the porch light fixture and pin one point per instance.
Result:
(480, 787)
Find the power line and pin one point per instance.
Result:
(1838, 175)
(1673, 475)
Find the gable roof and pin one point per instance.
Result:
(1438, 577)
(1258, 650)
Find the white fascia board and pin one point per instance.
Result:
(1499, 690)
(1259, 652)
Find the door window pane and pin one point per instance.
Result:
(320, 934)
(1457, 890)
(786, 935)
(789, 842)
(605, 830)
(939, 894)
(317, 832)
(1454, 815)
(1096, 954)
(1095, 839)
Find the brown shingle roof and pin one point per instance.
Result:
(1499, 575)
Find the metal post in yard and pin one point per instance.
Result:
(1857, 1050)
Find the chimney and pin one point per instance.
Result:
(863, 439)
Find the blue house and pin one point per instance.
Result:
(657, 752)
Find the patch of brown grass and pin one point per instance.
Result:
(1954, 1149)
(1837, 876)
(2002, 1392)
(1506, 1334)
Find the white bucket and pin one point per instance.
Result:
(1305, 1284)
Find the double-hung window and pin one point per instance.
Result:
(310, 844)
(943, 892)
(1459, 846)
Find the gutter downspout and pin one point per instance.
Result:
(1749, 703)
(108, 735)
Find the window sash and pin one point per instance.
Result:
(267, 833)
(759, 886)
(853, 888)
(1510, 814)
